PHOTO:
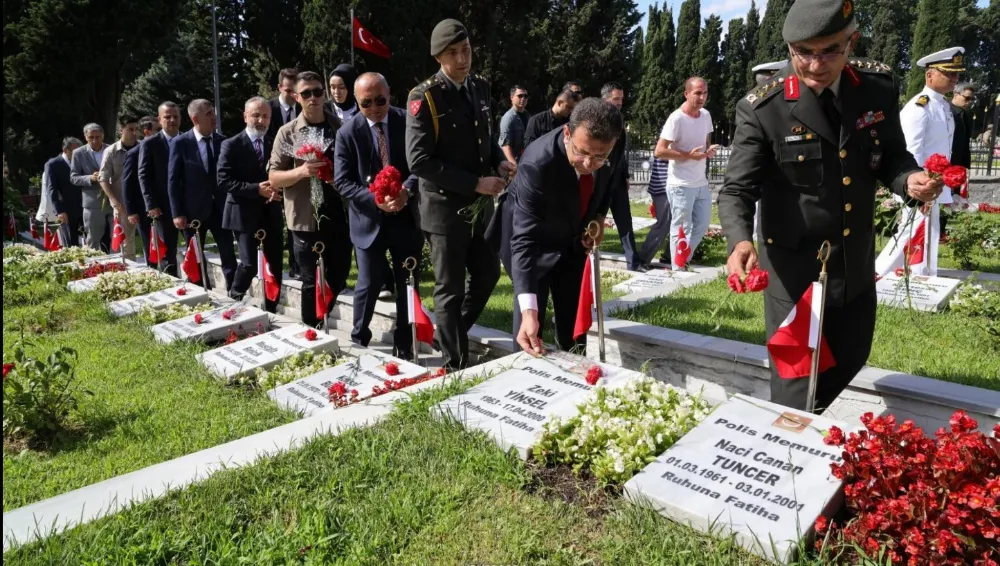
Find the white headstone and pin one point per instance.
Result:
(925, 293)
(311, 394)
(89, 284)
(192, 295)
(638, 222)
(214, 325)
(752, 468)
(652, 279)
(513, 405)
(264, 351)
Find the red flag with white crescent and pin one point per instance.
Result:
(683, 250)
(363, 39)
(271, 287)
(117, 236)
(192, 262)
(324, 296)
(585, 304)
(154, 239)
(32, 227)
(792, 345)
(419, 316)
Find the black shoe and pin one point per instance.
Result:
(294, 275)
(402, 354)
(642, 268)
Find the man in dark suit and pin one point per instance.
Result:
(621, 209)
(154, 156)
(251, 203)
(135, 207)
(804, 149)
(373, 139)
(284, 109)
(550, 119)
(450, 147)
(564, 181)
(65, 197)
(193, 185)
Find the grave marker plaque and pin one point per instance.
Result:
(652, 279)
(264, 351)
(89, 284)
(925, 293)
(214, 325)
(193, 295)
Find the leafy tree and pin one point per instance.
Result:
(657, 76)
(751, 32)
(708, 66)
(770, 44)
(734, 72)
(937, 27)
(688, 29)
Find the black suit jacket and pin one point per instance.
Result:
(960, 152)
(240, 174)
(130, 184)
(154, 157)
(541, 212)
(278, 118)
(357, 161)
(194, 192)
(64, 195)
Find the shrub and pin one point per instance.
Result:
(116, 286)
(969, 233)
(38, 395)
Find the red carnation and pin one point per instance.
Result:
(821, 525)
(181, 292)
(441, 372)
(954, 176)
(198, 319)
(232, 337)
(392, 368)
(757, 280)
(900, 272)
(229, 314)
(338, 389)
(937, 163)
(593, 374)
(311, 335)
(8, 367)
(834, 436)
(735, 284)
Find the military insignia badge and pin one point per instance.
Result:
(415, 107)
(792, 88)
(798, 130)
(922, 100)
(751, 98)
(848, 8)
(869, 118)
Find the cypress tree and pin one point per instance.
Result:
(937, 26)
(770, 44)
(708, 66)
(734, 71)
(750, 33)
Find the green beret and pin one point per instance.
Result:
(446, 33)
(808, 19)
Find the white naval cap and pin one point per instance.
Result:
(946, 60)
(772, 66)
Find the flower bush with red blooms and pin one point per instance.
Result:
(919, 500)
(387, 185)
(594, 374)
(99, 268)
(311, 335)
(756, 281)
(309, 152)
(392, 368)
(989, 208)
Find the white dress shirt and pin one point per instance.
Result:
(202, 150)
(928, 129)
(374, 131)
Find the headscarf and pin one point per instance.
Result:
(348, 74)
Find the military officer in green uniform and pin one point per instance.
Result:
(450, 147)
(810, 146)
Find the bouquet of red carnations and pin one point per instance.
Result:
(387, 185)
(309, 145)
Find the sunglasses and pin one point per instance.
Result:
(309, 93)
(520, 96)
(367, 102)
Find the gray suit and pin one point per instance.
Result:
(97, 212)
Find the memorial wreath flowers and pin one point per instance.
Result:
(199, 318)
(617, 432)
(918, 500)
(151, 316)
(95, 269)
(181, 292)
(988, 208)
(309, 145)
(594, 374)
(295, 367)
(119, 285)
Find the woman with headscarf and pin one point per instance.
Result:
(342, 103)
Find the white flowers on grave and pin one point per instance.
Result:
(617, 432)
(118, 285)
(23, 267)
(295, 367)
(19, 251)
(151, 316)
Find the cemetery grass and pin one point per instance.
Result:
(946, 345)
(150, 403)
(410, 490)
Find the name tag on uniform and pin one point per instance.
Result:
(869, 118)
(803, 137)
(876, 159)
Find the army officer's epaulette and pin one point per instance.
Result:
(424, 86)
(758, 95)
(922, 100)
(870, 66)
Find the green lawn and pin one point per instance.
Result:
(410, 490)
(946, 346)
(151, 403)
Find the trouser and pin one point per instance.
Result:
(168, 256)
(457, 305)
(144, 225)
(69, 232)
(658, 232)
(563, 283)
(293, 264)
(335, 249)
(690, 207)
(621, 211)
(402, 240)
(848, 330)
(247, 269)
(96, 223)
(223, 242)
(128, 246)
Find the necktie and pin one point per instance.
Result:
(830, 109)
(586, 191)
(208, 153)
(383, 147)
(288, 115)
(467, 95)
(258, 148)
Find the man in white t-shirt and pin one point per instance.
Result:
(684, 141)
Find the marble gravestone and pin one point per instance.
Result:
(214, 324)
(752, 468)
(513, 405)
(311, 394)
(264, 351)
(193, 295)
(638, 222)
(652, 279)
(925, 293)
(89, 284)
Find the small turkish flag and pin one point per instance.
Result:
(32, 227)
(11, 226)
(585, 304)
(51, 241)
(913, 251)
(363, 39)
(154, 239)
(683, 250)
(271, 287)
(324, 296)
(192, 262)
(419, 316)
(117, 236)
(792, 345)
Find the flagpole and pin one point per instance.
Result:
(593, 230)
(411, 265)
(260, 235)
(321, 281)
(823, 256)
(352, 37)
(194, 225)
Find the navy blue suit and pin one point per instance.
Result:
(373, 232)
(134, 204)
(240, 174)
(195, 194)
(65, 197)
(154, 157)
(542, 228)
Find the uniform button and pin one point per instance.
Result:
(770, 241)
(454, 125)
(480, 141)
(847, 232)
(476, 122)
(847, 181)
(802, 157)
(441, 191)
(848, 207)
(843, 153)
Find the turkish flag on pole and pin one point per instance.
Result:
(32, 228)
(12, 226)
(683, 250)
(192, 262)
(363, 39)
(585, 304)
(117, 236)
(271, 287)
(324, 296)
(792, 345)
(419, 316)
(913, 246)
(155, 258)
(260, 264)
(51, 241)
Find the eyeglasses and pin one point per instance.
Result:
(309, 93)
(367, 102)
(583, 156)
(577, 94)
(820, 57)
(520, 96)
